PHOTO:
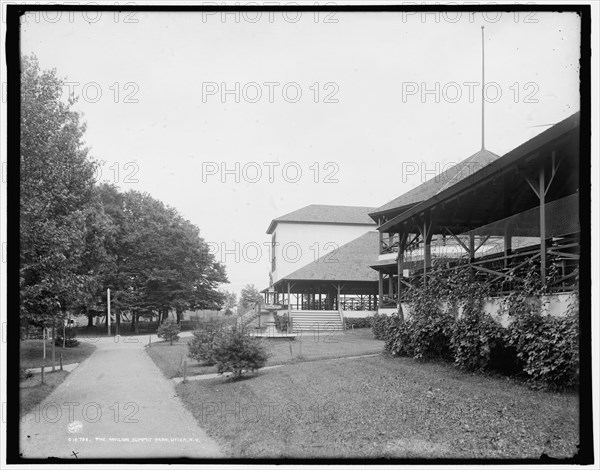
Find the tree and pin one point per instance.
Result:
(169, 331)
(61, 228)
(250, 299)
(160, 261)
(238, 353)
(229, 302)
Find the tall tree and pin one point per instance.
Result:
(61, 228)
(161, 262)
(250, 299)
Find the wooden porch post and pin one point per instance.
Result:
(319, 294)
(400, 270)
(289, 303)
(543, 225)
(427, 246)
(471, 247)
(380, 286)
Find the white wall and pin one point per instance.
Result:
(301, 244)
(555, 305)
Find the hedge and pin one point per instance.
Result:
(539, 347)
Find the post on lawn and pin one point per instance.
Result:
(108, 310)
(44, 341)
(53, 344)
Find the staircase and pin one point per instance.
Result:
(312, 320)
(247, 318)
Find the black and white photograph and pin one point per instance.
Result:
(299, 233)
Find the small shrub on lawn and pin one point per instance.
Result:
(362, 322)
(70, 341)
(169, 331)
(201, 347)
(238, 353)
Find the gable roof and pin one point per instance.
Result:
(326, 214)
(438, 183)
(350, 262)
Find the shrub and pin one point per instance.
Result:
(548, 348)
(399, 340)
(169, 331)
(430, 326)
(362, 322)
(281, 322)
(201, 347)
(238, 353)
(70, 341)
(477, 339)
(380, 324)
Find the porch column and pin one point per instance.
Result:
(289, 298)
(543, 225)
(427, 246)
(400, 270)
(380, 286)
(319, 294)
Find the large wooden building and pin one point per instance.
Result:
(519, 210)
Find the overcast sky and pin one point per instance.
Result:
(156, 114)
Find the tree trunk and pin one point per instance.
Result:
(179, 314)
(136, 324)
(118, 322)
(90, 319)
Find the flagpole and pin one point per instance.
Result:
(482, 91)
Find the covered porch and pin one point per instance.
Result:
(520, 212)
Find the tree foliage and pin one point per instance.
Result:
(250, 298)
(61, 224)
(78, 238)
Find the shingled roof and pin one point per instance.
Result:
(437, 184)
(349, 263)
(326, 214)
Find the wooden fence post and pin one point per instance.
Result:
(42, 374)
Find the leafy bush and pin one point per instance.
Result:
(476, 340)
(399, 340)
(70, 341)
(238, 353)
(362, 322)
(380, 324)
(169, 331)
(201, 347)
(543, 347)
(430, 326)
(548, 348)
(281, 322)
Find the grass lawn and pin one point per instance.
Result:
(308, 347)
(382, 407)
(31, 390)
(32, 352)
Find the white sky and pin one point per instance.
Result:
(370, 134)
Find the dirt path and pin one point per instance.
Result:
(115, 404)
